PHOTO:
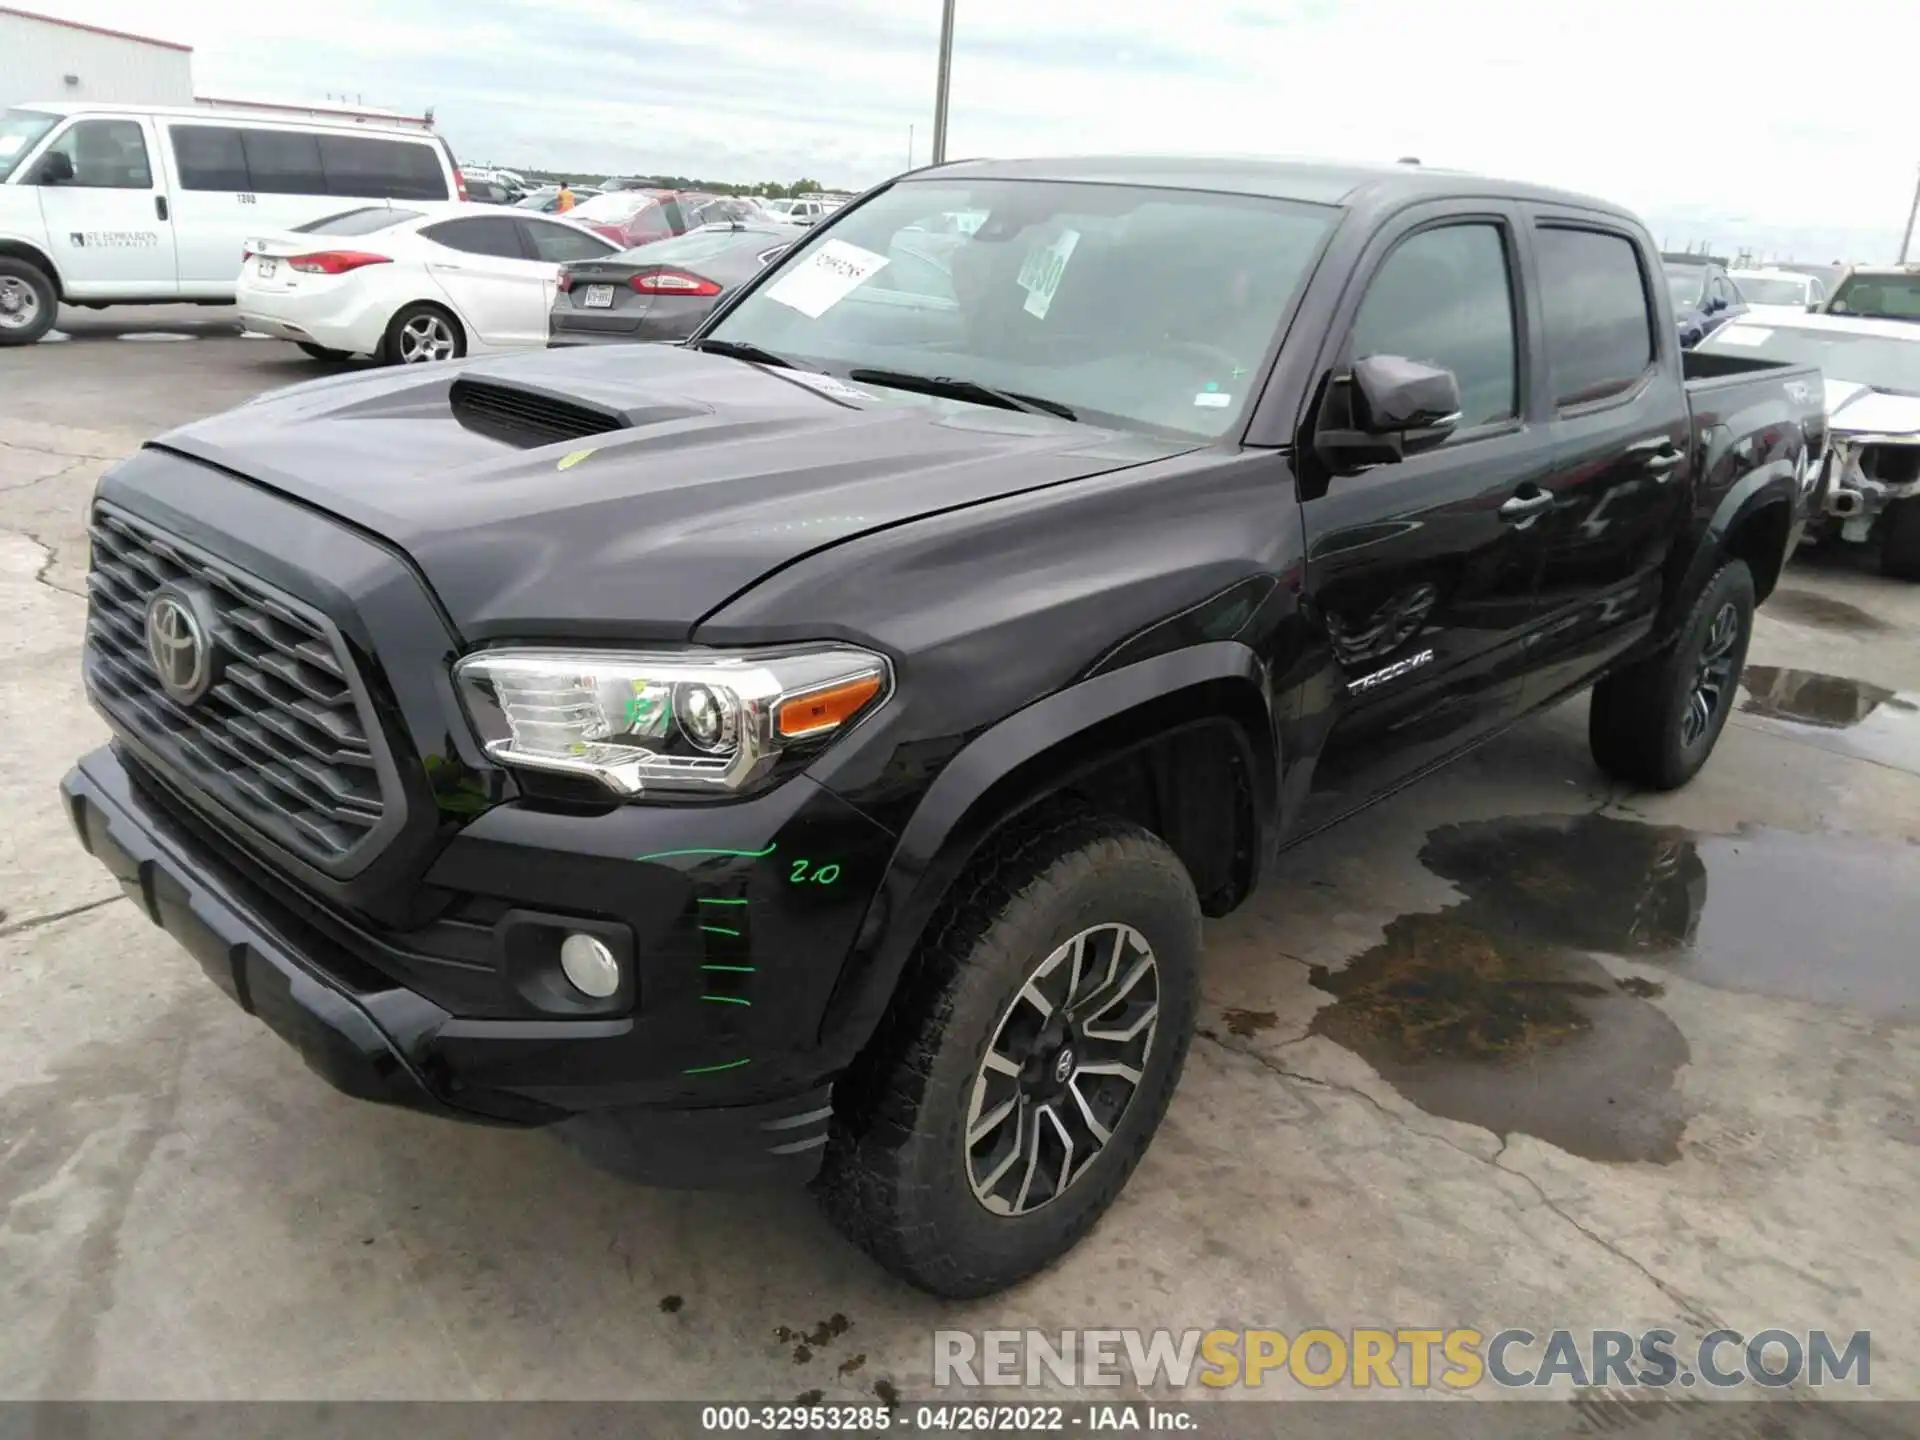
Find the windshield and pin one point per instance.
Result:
(19, 130)
(1885, 297)
(1139, 308)
(1685, 285)
(1876, 360)
(368, 220)
(614, 205)
(1771, 290)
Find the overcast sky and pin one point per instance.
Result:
(1731, 121)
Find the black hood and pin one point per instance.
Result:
(706, 473)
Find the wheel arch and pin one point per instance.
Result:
(38, 258)
(1754, 522)
(1124, 736)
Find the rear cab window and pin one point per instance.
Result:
(1598, 313)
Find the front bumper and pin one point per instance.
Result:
(376, 1039)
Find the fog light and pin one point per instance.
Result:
(590, 965)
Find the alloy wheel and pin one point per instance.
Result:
(425, 338)
(19, 303)
(1712, 676)
(1064, 1064)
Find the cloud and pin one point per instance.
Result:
(1690, 115)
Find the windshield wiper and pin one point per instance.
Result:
(957, 389)
(741, 350)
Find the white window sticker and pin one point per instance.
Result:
(1744, 335)
(826, 277)
(1213, 399)
(826, 385)
(1040, 275)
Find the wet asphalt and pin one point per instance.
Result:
(1517, 1046)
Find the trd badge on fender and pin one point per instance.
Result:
(1392, 672)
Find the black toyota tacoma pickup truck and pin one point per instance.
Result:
(810, 751)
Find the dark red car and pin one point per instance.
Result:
(633, 217)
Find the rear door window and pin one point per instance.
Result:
(498, 236)
(210, 157)
(1600, 335)
(283, 162)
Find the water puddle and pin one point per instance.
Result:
(1493, 1011)
(1848, 717)
(1813, 608)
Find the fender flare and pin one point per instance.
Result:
(1014, 765)
(1765, 485)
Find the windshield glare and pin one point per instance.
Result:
(20, 130)
(1771, 290)
(1685, 285)
(1876, 360)
(1890, 297)
(1139, 308)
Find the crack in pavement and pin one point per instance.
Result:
(1689, 1308)
(34, 922)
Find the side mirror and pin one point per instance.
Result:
(1813, 307)
(55, 168)
(1385, 409)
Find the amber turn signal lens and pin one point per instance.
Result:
(824, 709)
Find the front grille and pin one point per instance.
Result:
(526, 417)
(281, 739)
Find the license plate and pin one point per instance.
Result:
(599, 297)
(267, 268)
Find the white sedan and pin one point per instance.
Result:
(409, 285)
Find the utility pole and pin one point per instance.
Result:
(1912, 210)
(942, 83)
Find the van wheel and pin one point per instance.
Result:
(1654, 723)
(423, 333)
(28, 302)
(1900, 540)
(1025, 1062)
(321, 352)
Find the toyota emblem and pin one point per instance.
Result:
(177, 643)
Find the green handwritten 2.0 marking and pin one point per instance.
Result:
(805, 870)
(718, 900)
(709, 1069)
(737, 969)
(726, 999)
(706, 850)
(718, 930)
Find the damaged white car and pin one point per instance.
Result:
(1869, 484)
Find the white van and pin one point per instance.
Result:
(123, 205)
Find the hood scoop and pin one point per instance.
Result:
(528, 416)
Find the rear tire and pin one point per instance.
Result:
(1654, 723)
(422, 333)
(1900, 540)
(29, 304)
(901, 1178)
(322, 352)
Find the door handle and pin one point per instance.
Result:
(1663, 463)
(452, 269)
(160, 206)
(1525, 507)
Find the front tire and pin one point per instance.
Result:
(29, 303)
(1654, 723)
(1900, 540)
(420, 334)
(1026, 1061)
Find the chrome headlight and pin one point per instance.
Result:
(681, 721)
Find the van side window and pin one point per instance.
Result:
(105, 155)
(284, 162)
(1444, 297)
(210, 157)
(1599, 322)
(382, 169)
